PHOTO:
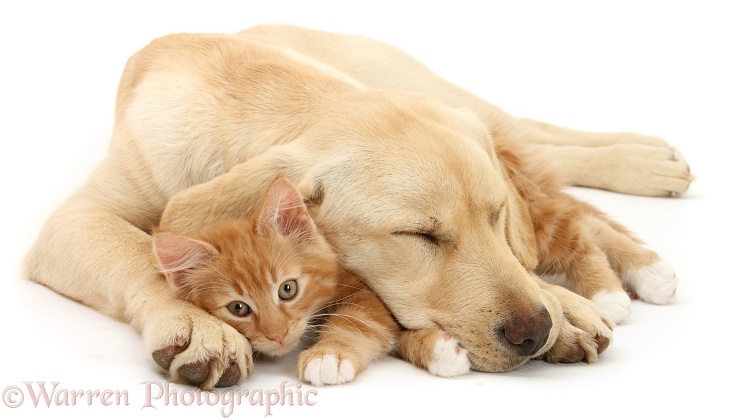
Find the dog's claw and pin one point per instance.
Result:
(601, 343)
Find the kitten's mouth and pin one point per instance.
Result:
(275, 349)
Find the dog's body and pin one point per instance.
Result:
(428, 192)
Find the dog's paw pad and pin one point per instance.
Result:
(164, 357)
(616, 304)
(198, 349)
(195, 373)
(450, 359)
(230, 376)
(328, 370)
(654, 283)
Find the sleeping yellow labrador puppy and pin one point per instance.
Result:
(441, 203)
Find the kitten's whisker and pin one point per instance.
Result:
(205, 287)
(343, 303)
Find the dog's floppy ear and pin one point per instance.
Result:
(519, 230)
(518, 223)
(480, 134)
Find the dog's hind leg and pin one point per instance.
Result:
(625, 168)
(623, 162)
(538, 132)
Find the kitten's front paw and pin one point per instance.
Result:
(654, 283)
(325, 369)
(616, 303)
(434, 350)
(450, 359)
(197, 348)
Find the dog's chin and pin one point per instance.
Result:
(493, 364)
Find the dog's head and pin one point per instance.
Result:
(414, 198)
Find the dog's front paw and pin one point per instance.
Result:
(585, 333)
(321, 367)
(197, 348)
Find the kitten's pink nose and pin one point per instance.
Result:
(278, 338)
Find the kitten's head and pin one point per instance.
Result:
(264, 275)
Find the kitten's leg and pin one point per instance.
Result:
(435, 351)
(607, 263)
(88, 250)
(569, 255)
(642, 271)
(588, 273)
(358, 331)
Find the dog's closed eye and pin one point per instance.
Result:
(429, 237)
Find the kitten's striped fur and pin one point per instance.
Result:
(249, 260)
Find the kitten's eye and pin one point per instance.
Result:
(239, 308)
(288, 290)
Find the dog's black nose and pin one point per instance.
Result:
(526, 333)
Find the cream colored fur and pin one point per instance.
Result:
(204, 122)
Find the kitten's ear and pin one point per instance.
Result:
(178, 255)
(284, 211)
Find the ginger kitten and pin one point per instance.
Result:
(273, 277)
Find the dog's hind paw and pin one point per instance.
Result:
(655, 283)
(643, 169)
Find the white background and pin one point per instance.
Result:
(655, 67)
